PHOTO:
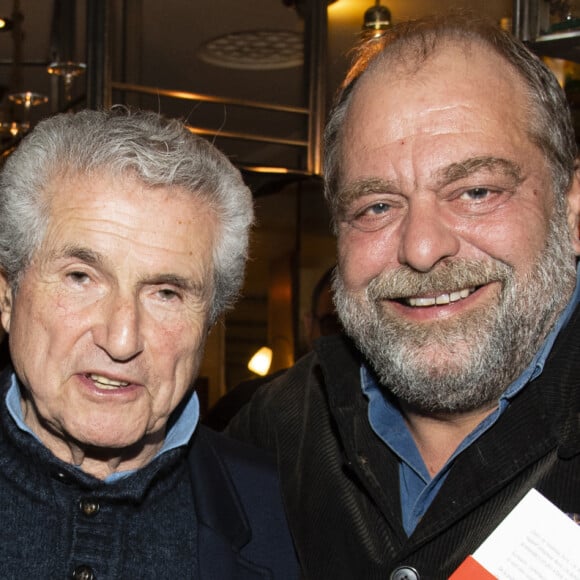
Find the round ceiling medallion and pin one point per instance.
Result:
(255, 49)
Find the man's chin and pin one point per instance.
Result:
(434, 361)
(435, 378)
(435, 349)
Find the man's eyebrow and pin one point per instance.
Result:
(361, 187)
(468, 167)
(81, 253)
(96, 259)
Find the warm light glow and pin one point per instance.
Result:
(558, 66)
(347, 11)
(266, 169)
(261, 361)
(5, 24)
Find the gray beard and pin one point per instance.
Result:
(464, 363)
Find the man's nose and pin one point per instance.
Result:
(426, 237)
(118, 331)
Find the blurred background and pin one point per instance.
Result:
(257, 79)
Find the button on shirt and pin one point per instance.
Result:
(417, 488)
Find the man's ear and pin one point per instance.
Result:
(573, 199)
(6, 301)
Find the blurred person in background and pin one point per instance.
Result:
(319, 320)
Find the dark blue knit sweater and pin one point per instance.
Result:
(55, 520)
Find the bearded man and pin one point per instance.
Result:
(450, 174)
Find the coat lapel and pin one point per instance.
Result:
(223, 528)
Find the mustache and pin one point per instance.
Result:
(448, 277)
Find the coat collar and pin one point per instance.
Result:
(216, 501)
(223, 526)
(551, 404)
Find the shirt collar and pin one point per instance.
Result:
(180, 430)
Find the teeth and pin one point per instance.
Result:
(106, 382)
(424, 301)
(441, 299)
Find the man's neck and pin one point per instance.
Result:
(438, 436)
(98, 462)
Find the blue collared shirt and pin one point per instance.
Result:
(179, 433)
(417, 488)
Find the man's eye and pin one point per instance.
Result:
(476, 194)
(167, 294)
(377, 209)
(78, 277)
(371, 218)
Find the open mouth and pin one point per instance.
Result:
(439, 300)
(106, 383)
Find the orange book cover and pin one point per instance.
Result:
(471, 569)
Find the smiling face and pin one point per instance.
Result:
(108, 325)
(453, 260)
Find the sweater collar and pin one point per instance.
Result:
(181, 426)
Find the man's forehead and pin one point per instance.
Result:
(94, 179)
(95, 185)
(408, 57)
(128, 210)
(460, 60)
(449, 93)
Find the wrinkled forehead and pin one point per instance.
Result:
(456, 98)
(458, 81)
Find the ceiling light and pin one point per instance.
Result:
(12, 128)
(68, 71)
(377, 18)
(28, 99)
